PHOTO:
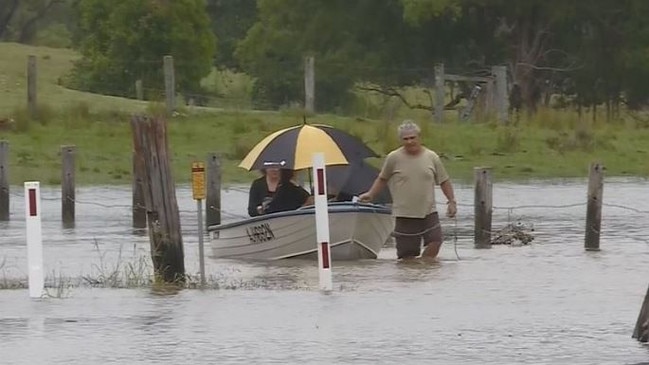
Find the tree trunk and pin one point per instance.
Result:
(152, 158)
(30, 27)
(7, 10)
(530, 46)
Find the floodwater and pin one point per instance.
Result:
(548, 302)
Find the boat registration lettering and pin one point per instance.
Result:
(260, 233)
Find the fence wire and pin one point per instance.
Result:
(510, 209)
(513, 221)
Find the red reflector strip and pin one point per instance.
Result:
(325, 255)
(32, 202)
(321, 187)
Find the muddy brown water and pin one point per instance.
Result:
(547, 302)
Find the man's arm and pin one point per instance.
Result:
(378, 185)
(447, 189)
(381, 181)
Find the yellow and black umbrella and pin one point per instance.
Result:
(293, 148)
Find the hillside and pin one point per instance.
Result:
(52, 64)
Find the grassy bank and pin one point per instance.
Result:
(530, 151)
(553, 144)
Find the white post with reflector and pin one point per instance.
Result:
(322, 221)
(34, 238)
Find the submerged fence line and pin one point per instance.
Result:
(483, 200)
(124, 206)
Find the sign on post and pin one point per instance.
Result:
(198, 180)
(198, 192)
(322, 221)
(34, 238)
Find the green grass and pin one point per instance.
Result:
(553, 144)
(52, 65)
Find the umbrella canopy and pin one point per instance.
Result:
(355, 179)
(293, 148)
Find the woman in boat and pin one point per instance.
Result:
(262, 191)
(289, 195)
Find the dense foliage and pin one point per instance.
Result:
(583, 53)
(125, 40)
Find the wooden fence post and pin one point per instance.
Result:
(439, 93)
(4, 180)
(163, 218)
(489, 99)
(502, 101)
(309, 84)
(213, 200)
(483, 206)
(641, 331)
(138, 208)
(67, 186)
(139, 91)
(170, 84)
(594, 206)
(32, 106)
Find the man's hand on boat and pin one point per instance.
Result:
(365, 197)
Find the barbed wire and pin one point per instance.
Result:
(220, 84)
(626, 208)
(537, 206)
(321, 63)
(246, 190)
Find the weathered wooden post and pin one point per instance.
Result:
(309, 84)
(4, 180)
(32, 106)
(170, 84)
(139, 90)
(139, 210)
(163, 219)
(439, 93)
(489, 99)
(502, 100)
(594, 206)
(67, 186)
(213, 201)
(483, 204)
(641, 331)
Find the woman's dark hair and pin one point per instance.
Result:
(286, 175)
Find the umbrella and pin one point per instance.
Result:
(293, 148)
(355, 179)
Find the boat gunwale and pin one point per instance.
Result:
(340, 207)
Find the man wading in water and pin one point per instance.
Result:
(411, 173)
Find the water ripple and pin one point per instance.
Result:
(549, 302)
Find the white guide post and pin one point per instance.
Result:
(34, 238)
(322, 221)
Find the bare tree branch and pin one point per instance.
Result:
(572, 67)
(636, 116)
(390, 91)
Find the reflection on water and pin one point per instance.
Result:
(548, 302)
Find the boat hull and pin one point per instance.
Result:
(357, 231)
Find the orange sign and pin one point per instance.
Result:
(198, 180)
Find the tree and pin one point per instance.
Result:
(351, 41)
(522, 32)
(230, 21)
(21, 20)
(8, 9)
(596, 51)
(125, 40)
